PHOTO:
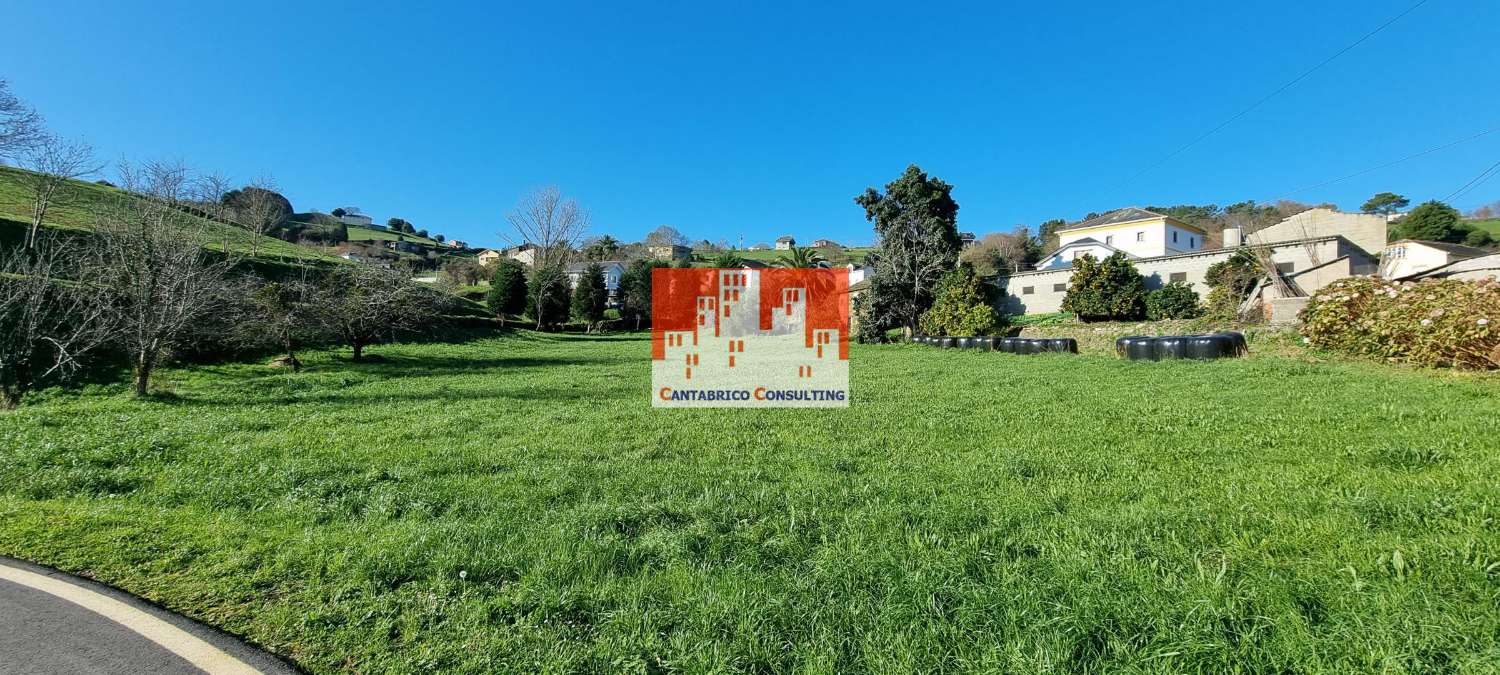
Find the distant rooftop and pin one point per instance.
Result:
(1126, 215)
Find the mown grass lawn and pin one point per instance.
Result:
(513, 504)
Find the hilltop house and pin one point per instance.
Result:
(1410, 257)
(785, 243)
(1309, 250)
(457, 243)
(825, 243)
(524, 254)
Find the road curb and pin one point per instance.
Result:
(235, 647)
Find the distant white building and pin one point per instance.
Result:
(785, 243)
(1136, 232)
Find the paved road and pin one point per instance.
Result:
(51, 622)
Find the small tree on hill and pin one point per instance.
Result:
(1107, 290)
(1385, 203)
(507, 294)
(964, 305)
(53, 164)
(1176, 300)
(338, 213)
(591, 296)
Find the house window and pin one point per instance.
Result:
(1109, 239)
(1174, 236)
(1178, 276)
(1028, 290)
(1058, 288)
(1192, 241)
(1140, 236)
(1285, 268)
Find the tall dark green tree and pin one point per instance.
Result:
(507, 296)
(590, 296)
(1433, 221)
(916, 220)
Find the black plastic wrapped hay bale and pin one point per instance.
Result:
(1006, 344)
(1211, 346)
(980, 342)
(946, 342)
(987, 343)
(1136, 348)
(1033, 346)
(1170, 347)
(1241, 348)
(1061, 345)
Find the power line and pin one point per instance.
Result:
(1476, 182)
(1389, 164)
(1273, 94)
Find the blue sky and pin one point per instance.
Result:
(757, 119)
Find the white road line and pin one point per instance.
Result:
(192, 649)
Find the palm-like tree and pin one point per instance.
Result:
(802, 258)
(727, 260)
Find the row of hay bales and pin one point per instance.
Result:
(1134, 347)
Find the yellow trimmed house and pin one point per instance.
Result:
(1137, 232)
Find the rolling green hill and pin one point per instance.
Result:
(77, 213)
(1491, 226)
(357, 233)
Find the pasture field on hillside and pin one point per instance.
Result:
(77, 211)
(514, 504)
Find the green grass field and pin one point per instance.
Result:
(513, 504)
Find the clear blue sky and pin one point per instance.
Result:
(753, 119)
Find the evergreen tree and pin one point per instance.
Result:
(590, 296)
(1108, 290)
(916, 220)
(507, 294)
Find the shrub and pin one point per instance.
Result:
(1434, 322)
(507, 288)
(963, 305)
(1107, 290)
(1229, 282)
(1176, 300)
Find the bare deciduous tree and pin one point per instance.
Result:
(49, 321)
(20, 126)
(362, 305)
(153, 258)
(53, 164)
(554, 225)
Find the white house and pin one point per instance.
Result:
(1136, 232)
(612, 271)
(1409, 257)
(785, 243)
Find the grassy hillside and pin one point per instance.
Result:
(515, 505)
(1492, 226)
(357, 233)
(77, 213)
